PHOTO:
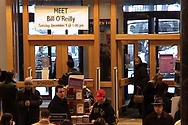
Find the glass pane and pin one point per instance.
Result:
(130, 67)
(40, 53)
(143, 51)
(169, 26)
(137, 26)
(73, 51)
(63, 22)
(157, 5)
(167, 55)
(79, 55)
(105, 43)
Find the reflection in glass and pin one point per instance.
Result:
(130, 68)
(105, 59)
(169, 26)
(79, 55)
(143, 6)
(137, 26)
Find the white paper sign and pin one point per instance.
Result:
(65, 17)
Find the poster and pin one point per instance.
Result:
(166, 63)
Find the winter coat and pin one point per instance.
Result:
(105, 111)
(29, 114)
(141, 77)
(64, 79)
(165, 119)
(58, 105)
(8, 93)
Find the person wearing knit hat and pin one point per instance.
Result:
(102, 108)
(28, 100)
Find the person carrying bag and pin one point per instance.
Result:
(138, 97)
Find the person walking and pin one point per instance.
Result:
(140, 80)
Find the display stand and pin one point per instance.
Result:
(79, 107)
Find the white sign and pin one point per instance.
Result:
(65, 17)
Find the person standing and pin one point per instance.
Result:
(44, 118)
(102, 109)
(71, 71)
(140, 79)
(59, 103)
(29, 100)
(8, 91)
(158, 116)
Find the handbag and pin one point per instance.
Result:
(138, 98)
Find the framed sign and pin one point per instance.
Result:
(65, 17)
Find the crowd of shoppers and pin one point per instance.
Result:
(151, 90)
(22, 106)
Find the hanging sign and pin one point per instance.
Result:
(65, 17)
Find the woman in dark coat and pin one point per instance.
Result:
(141, 78)
(8, 92)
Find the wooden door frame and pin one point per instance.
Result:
(155, 40)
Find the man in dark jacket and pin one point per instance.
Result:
(159, 117)
(71, 71)
(102, 109)
(59, 102)
(28, 100)
(8, 92)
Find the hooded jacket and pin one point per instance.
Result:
(105, 111)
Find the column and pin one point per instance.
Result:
(3, 44)
(184, 62)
